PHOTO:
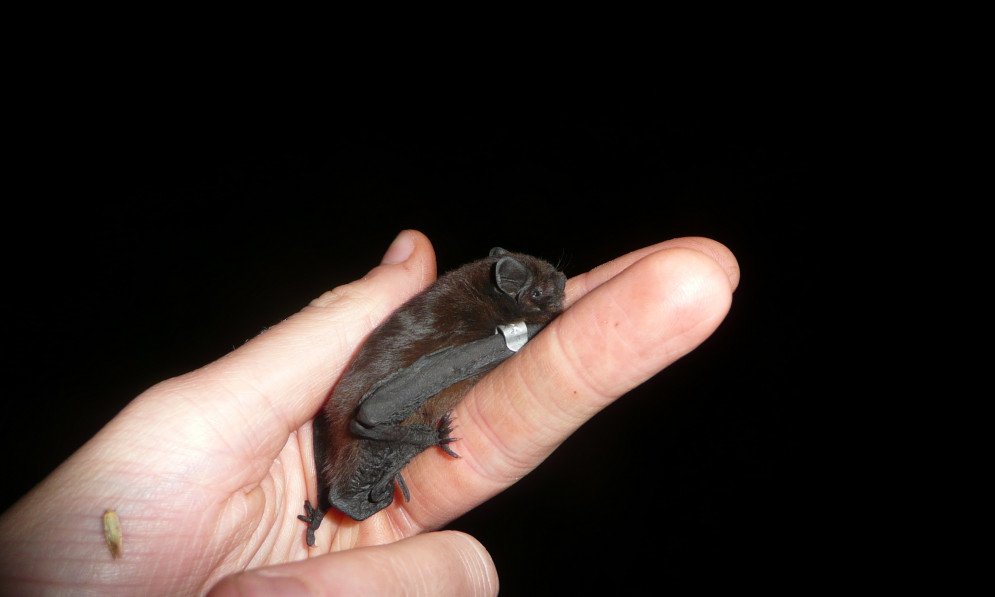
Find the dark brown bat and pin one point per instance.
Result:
(394, 400)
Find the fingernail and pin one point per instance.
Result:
(399, 250)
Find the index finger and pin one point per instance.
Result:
(627, 320)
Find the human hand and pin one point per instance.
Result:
(208, 470)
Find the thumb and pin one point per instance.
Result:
(285, 372)
(442, 563)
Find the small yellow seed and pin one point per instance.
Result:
(112, 532)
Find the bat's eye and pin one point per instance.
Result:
(536, 293)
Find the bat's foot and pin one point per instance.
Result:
(446, 427)
(313, 517)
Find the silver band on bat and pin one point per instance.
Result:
(515, 335)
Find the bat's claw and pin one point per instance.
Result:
(312, 516)
(404, 487)
(446, 427)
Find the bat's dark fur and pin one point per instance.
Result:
(357, 473)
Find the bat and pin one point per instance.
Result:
(395, 399)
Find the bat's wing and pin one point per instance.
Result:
(394, 398)
(371, 487)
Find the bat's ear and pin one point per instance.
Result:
(496, 251)
(510, 276)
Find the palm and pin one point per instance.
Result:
(236, 503)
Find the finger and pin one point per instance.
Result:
(443, 563)
(581, 284)
(627, 321)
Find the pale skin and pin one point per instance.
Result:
(209, 470)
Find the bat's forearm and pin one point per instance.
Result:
(415, 434)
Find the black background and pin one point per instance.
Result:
(151, 243)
